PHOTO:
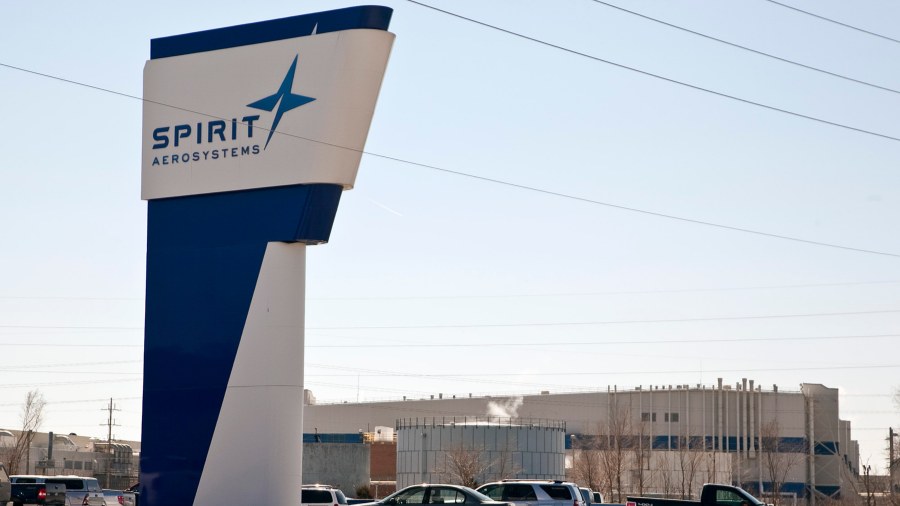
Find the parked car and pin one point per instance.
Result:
(427, 493)
(318, 495)
(587, 494)
(534, 492)
(80, 490)
(597, 497)
(712, 494)
(33, 489)
(118, 497)
(136, 490)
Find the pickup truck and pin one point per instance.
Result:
(5, 486)
(711, 495)
(80, 490)
(42, 494)
(119, 497)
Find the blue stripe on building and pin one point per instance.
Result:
(665, 442)
(333, 438)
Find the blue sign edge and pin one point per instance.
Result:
(373, 17)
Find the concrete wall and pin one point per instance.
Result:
(343, 465)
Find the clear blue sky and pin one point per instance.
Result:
(443, 259)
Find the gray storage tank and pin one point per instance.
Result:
(479, 449)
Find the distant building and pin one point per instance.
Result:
(790, 443)
(115, 465)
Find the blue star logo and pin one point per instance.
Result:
(283, 99)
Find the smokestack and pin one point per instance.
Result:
(744, 396)
(752, 424)
(721, 435)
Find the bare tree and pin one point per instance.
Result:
(689, 459)
(711, 468)
(779, 458)
(32, 416)
(640, 455)
(463, 466)
(868, 484)
(586, 466)
(616, 447)
(503, 467)
(664, 476)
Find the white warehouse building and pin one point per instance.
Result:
(771, 442)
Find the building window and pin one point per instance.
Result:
(648, 417)
(671, 417)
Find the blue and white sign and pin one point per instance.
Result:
(260, 115)
(251, 133)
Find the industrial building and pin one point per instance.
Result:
(775, 443)
(115, 464)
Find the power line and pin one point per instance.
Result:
(66, 383)
(636, 210)
(73, 401)
(606, 322)
(504, 295)
(593, 294)
(70, 345)
(657, 76)
(63, 371)
(472, 376)
(67, 327)
(604, 343)
(51, 297)
(531, 188)
(823, 18)
(732, 44)
(30, 367)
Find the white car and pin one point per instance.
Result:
(534, 492)
(321, 495)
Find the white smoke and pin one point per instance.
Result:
(506, 409)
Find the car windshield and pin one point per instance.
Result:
(70, 483)
(736, 496)
(315, 496)
(477, 494)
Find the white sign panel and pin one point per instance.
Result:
(292, 111)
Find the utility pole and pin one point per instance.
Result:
(892, 460)
(866, 470)
(109, 450)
